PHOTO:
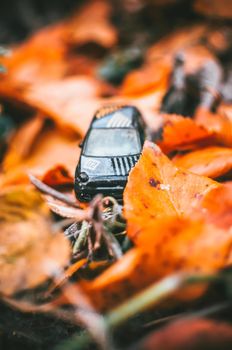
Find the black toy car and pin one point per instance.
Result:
(110, 149)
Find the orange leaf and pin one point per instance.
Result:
(219, 124)
(70, 102)
(51, 148)
(163, 247)
(156, 188)
(23, 141)
(30, 251)
(58, 176)
(211, 161)
(216, 206)
(151, 77)
(179, 222)
(92, 24)
(179, 40)
(179, 133)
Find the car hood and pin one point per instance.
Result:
(108, 166)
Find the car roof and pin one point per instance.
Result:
(115, 116)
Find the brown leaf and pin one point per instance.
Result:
(221, 8)
(211, 161)
(189, 334)
(30, 251)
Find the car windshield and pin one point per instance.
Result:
(112, 142)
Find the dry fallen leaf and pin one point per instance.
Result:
(30, 251)
(152, 77)
(179, 133)
(157, 188)
(219, 124)
(22, 143)
(191, 334)
(70, 102)
(216, 207)
(211, 161)
(175, 42)
(29, 64)
(52, 148)
(174, 221)
(222, 9)
(164, 246)
(92, 24)
(58, 176)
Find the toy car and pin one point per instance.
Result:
(110, 149)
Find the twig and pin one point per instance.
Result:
(50, 191)
(143, 300)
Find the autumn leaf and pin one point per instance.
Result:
(211, 161)
(157, 188)
(51, 148)
(216, 207)
(175, 42)
(22, 142)
(30, 251)
(179, 133)
(164, 246)
(92, 24)
(152, 77)
(58, 176)
(219, 124)
(168, 237)
(189, 334)
(29, 63)
(222, 9)
(70, 102)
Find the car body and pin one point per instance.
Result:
(110, 149)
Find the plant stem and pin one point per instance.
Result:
(143, 300)
(81, 239)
